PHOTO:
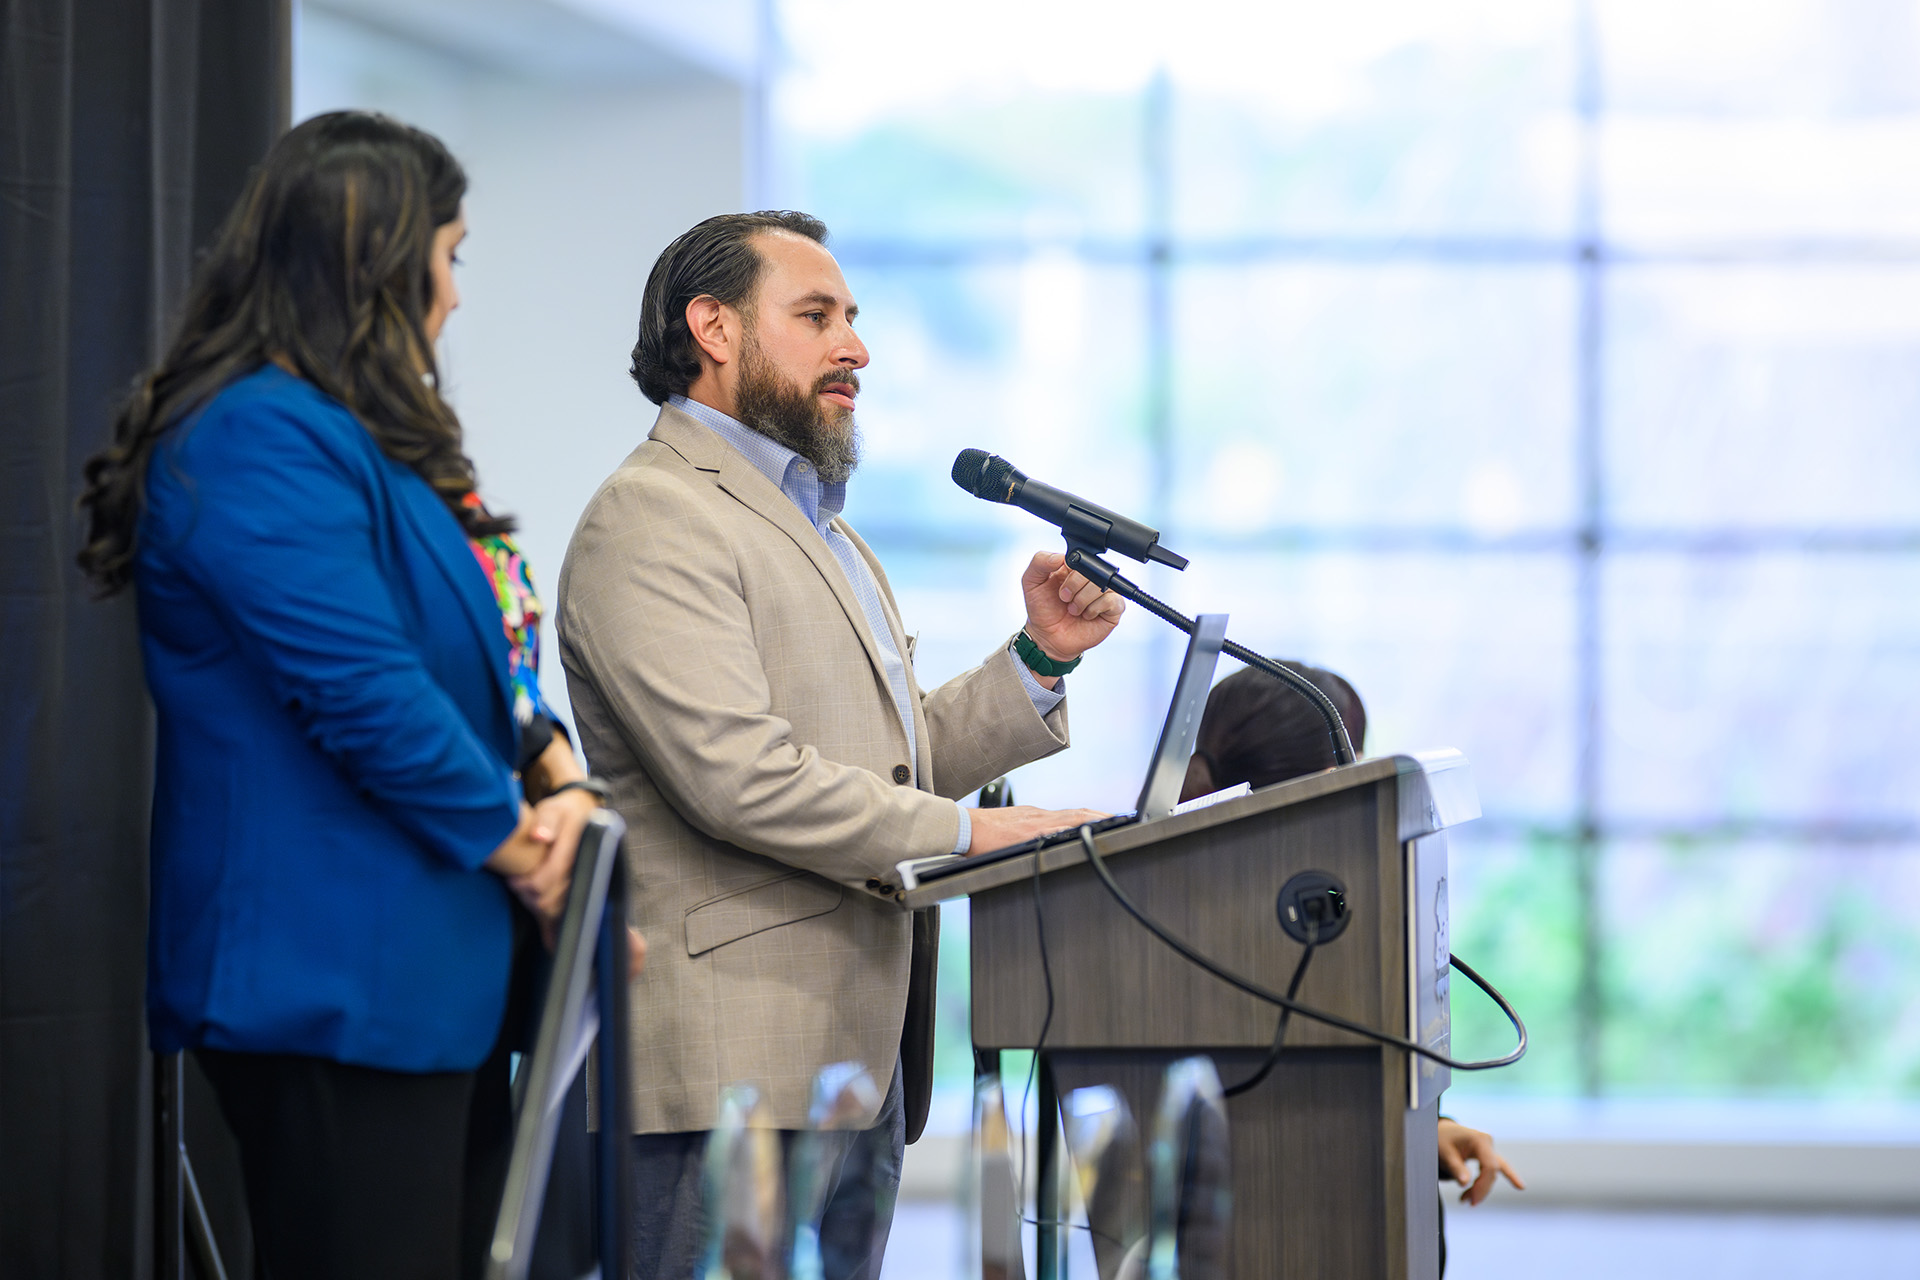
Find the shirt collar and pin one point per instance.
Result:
(792, 474)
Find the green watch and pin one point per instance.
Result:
(1036, 658)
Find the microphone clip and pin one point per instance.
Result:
(1085, 530)
(1084, 558)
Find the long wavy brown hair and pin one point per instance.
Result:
(324, 265)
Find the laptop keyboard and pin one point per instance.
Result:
(1028, 846)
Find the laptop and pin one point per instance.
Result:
(1166, 771)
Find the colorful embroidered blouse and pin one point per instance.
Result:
(520, 611)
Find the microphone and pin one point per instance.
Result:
(1085, 524)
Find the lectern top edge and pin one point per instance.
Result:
(1436, 792)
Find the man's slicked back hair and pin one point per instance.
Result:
(717, 258)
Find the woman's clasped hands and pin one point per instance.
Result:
(537, 861)
(554, 827)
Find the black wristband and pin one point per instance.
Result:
(593, 786)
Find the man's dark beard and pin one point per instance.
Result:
(785, 414)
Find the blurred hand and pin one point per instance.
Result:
(998, 828)
(557, 822)
(636, 949)
(520, 852)
(1066, 614)
(1459, 1144)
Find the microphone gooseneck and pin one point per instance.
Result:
(1106, 577)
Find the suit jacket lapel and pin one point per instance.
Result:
(704, 449)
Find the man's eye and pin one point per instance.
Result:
(817, 317)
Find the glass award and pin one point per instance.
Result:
(1104, 1143)
(743, 1191)
(1190, 1177)
(993, 1192)
(845, 1100)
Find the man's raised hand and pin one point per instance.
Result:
(1066, 614)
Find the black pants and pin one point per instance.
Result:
(354, 1173)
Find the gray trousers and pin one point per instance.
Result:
(670, 1221)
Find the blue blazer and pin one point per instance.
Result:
(335, 747)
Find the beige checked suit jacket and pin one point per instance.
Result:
(727, 688)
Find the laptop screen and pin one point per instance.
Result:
(1168, 771)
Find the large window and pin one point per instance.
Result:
(1550, 370)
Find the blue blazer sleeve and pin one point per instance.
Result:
(276, 522)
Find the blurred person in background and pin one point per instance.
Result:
(356, 778)
(1258, 731)
(742, 679)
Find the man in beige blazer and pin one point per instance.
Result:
(743, 684)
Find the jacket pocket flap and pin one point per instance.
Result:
(767, 905)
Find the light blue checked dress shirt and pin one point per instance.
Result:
(820, 503)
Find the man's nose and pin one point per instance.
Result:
(853, 354)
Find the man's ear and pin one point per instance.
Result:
(715, 327)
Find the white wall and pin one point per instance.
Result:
(576, 184)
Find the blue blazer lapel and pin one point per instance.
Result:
(447, 545)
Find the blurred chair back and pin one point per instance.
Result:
(592, 929)
(997, 794)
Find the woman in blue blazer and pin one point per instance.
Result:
(340, 646)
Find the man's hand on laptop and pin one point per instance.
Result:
(1017, 823)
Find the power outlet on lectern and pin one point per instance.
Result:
(1313, 907)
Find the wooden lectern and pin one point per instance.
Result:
(1335, 1167)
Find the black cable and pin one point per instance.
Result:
(1259, 992)
(1280, 1033)
(1087, 1227)
(1046, 1025)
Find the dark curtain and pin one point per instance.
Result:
(126, 131)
